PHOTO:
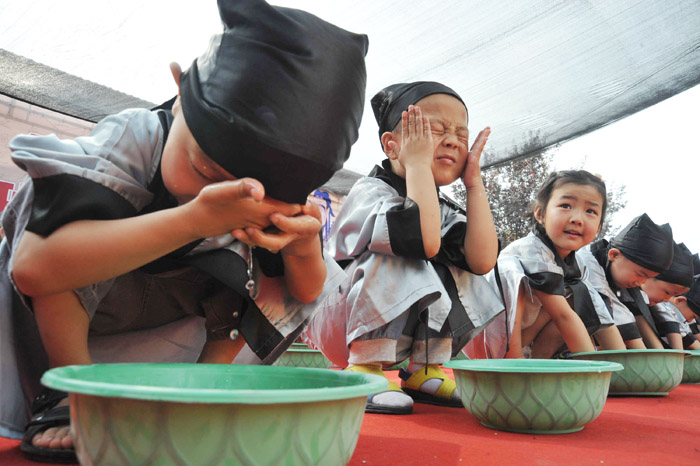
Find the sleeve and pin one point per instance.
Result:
(694, 329)
(538, 264)
(454, 230)
(102, 176)
(665, 317)
(370, 219)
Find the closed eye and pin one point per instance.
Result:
(201, 172)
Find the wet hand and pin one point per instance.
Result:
(472, 170)
(416, 139)
(231, 205)
(293, 235)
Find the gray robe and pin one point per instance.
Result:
(117, 164)
(529, 263)
(624, 319)
(381, 285)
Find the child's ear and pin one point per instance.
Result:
(613, 254)
(676, 300)
(176, 72)
(389, 145)
(539, 213)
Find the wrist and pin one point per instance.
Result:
(475, 188)
(302, 249)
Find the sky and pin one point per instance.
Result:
(654, 153)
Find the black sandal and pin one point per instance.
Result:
(45, 415)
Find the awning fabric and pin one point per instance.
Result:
(541, 72)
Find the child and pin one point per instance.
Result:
(150, 218)
(640, 251)
(411, 255)
(539, 272)
(688, 306)
(660, 290)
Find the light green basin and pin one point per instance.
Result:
(647, 372)
(691, 367)
(195, 414)
(537, 396)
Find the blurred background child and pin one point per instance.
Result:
(660, 290)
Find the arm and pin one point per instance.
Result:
(648, 335)
(675, 340)
(89, 251)
(416, 158)
(480, 241)
(298, 241)
(567, 321)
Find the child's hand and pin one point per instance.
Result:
(416, 139)
(233, 205)
(472, 171)
(293, 235)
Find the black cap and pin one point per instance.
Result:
(645, 243)
(696, 264)
(681, 270)
(693, 296)
(390, 102)
(278, 96)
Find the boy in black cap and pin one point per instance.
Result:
(639, 252)
(661, 290)
(688, 306)
(154, 216)
(410, 254)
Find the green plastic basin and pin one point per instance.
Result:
(691, 367)
(535, 396)
(303, 357)
(197, 414)
(647, 372)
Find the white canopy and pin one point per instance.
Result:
(537, 72)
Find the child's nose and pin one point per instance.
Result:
(575, 217)
(449, 139)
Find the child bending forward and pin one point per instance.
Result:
(410, 255)
(149, 219)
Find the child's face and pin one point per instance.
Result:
(448, 124)
(571, 216)
(660, 291)
(184, 166)
(626, 273)
(681, 303)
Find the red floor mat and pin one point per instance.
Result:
(629, 431)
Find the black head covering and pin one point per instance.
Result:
(693, 296)
(278, 96)
(681, 270)
(390, 102)
(645, 243)
(696, 264)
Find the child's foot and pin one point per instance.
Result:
(47, 437)
(434, 387)
(391, 401)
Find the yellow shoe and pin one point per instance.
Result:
(391, 401)
(444, 396)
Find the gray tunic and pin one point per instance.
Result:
(597, 278)
(122, 155)
(529, 263)
(380, 285)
